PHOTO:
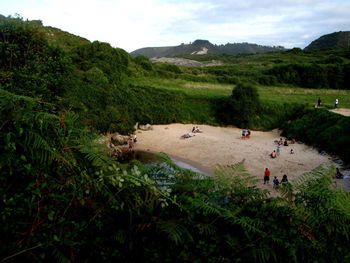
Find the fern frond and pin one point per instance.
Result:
(175, 231)
(61, 258)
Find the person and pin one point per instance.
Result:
(273, 154)
(319, 102)
(193, 129)
(278, 148)
(131, 143)
(244, 132)
(292, 141)
(336, 103)
(285, 142)
(338, 174)
(266, 176)
(275, 182)
(248, 132)
(186, 135)
(197, 129)
(135, 138)
(284, 180)
(291, 151)
(280, 142)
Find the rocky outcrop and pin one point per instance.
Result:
(118, 139)
(147, 127)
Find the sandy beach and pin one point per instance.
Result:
(223, 145)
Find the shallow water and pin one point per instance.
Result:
(152, 158)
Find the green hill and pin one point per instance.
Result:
(334, 40)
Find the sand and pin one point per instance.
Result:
(223, 145)
(342, 111)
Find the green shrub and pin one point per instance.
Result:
(242, 105)
(326, 130)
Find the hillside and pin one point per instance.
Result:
(204, 47)
(339, 39)
(65, 40)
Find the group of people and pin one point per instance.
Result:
(276, 182)
(246, 133)
(196, 130)
(189, 135)
(279, 143)
(335, 103)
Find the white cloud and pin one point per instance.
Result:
(139, 23)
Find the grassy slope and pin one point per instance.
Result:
(268, 94)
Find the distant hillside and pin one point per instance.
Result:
(335, 40)
(204, 47)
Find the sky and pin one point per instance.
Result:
(134, 24)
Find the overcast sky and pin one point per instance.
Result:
(133, 24)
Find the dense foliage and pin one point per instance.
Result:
(242, 105)
(323, 129)
(63, 199)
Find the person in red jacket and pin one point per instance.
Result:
(267, 176)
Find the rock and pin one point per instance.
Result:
(118, 139)
(146, 127)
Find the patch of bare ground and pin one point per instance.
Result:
(342, 111)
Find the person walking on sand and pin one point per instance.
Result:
(284, 180)
(275, 182)
(278, 149)
(266, 176)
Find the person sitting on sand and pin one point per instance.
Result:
(273, 154)
(280, 142)
(248, 133)
(193, 129)
(291, 151)
(338, 174)
(292, 141)
(284, 180)
(244, 132)
(186, 135)
(197, 130)
(285, 142)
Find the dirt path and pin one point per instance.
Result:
(342, 111)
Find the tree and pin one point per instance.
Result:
(243, 103)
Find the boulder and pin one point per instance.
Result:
(118, 139)
(146, 127)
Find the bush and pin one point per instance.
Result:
(243, 104)
(326, 130)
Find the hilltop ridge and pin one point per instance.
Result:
(201, 47)
(334, 40)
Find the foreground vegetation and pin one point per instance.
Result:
(63, 198)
